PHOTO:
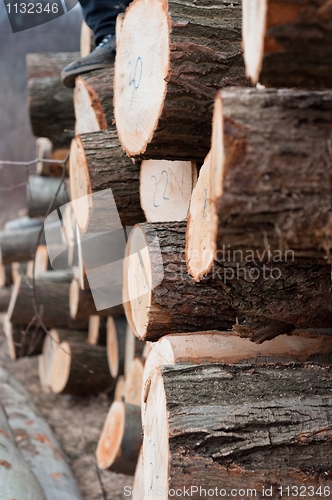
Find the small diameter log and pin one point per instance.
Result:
(50, 102)
(16, 479)
(52, 301)
(134, 379)
(202, 220)
(51, 343)
(120, 441)
(165, 189)
(97, 332)
(116, 339)
(133, 349)
(43, 152)
(80, 368)
(97, 163)
(23, 223)
(82, 304)
(38, 445)
(41, 192)
(87, 43)
(164, 87)
(23, 340)
(119, 392)
(260, 432)
(5, 295)
(161, 297)
(275, 197)
(6, 279)
(20, 245)
(93, 101)
(288, 35)
(57, 276)
(225, 347)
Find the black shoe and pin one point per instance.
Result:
(101, 57)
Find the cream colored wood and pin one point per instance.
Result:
(253, 34)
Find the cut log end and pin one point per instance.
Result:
(134, 381)
(112, 347)
(79, 183)
(88, 110)
(111, 437)
(61, 367)
(74, 296)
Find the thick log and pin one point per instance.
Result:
(134, 379)
(225, 347)
(17, 480)
(37, 443)
(165, 189)
(50, 102)
(259, 433)
(93, 101)
(116, 340)
(20, 245)
(97, 332)
(40, 194)
(50, 345)
(161, 297)
(52, 301)
(165, 83)
(80, 368)
(98, 163)
(133, 349)
(288, 34)
(272, 188)
(120, 441)
(82, 304)
(23, 340)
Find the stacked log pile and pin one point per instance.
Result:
(226, 273)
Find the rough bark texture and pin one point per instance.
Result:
(50, 102)
(177, 303)
(99, 86)
(6, 277)
(5, 294)
(298, 37)
(205, 55)
(248, 427)
(40, 194)
(86, 307)
(24, 341)
(20, 245)
(52, 304)
(37, 444)
(277, 173)
(107, 167)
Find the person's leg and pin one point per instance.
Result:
(100, 16)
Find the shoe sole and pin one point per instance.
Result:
(68, 79)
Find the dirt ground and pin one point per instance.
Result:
(77, 423)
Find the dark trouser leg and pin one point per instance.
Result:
(100, 15)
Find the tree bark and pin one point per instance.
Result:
(24, 222)
(23, 340)
(6, 278)
(120, 441)
(164, 88)
(20, 245)
(116, 339)
(80, 368)
(37, 443)
(82, 304)
(175, 303)
(288, 43)
(165, 189)
(52, 301)
(5, 294)
(93, 101)
(50, 102)
(273, 188)
(41, 192)
(244, 427)
(17, 480)
(97, 163)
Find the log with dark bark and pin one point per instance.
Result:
(166, 75)
(82, 304)
(50, 102)
(41, 192)
(97, 163)
(93, 101)
(288, 43)
(38, 446)
(6, 277)
(5, 295)
(121, 439)
(226, 347)
(24, 222)
(116, 340)
(165, 189)
(52, 302)
(23, 340)
(268, 426)
(159, 295)
(80, 368)
(273, 188)
(20, 245)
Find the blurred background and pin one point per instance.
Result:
(16, 139)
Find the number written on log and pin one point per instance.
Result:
(135, 77)
(164, 180)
